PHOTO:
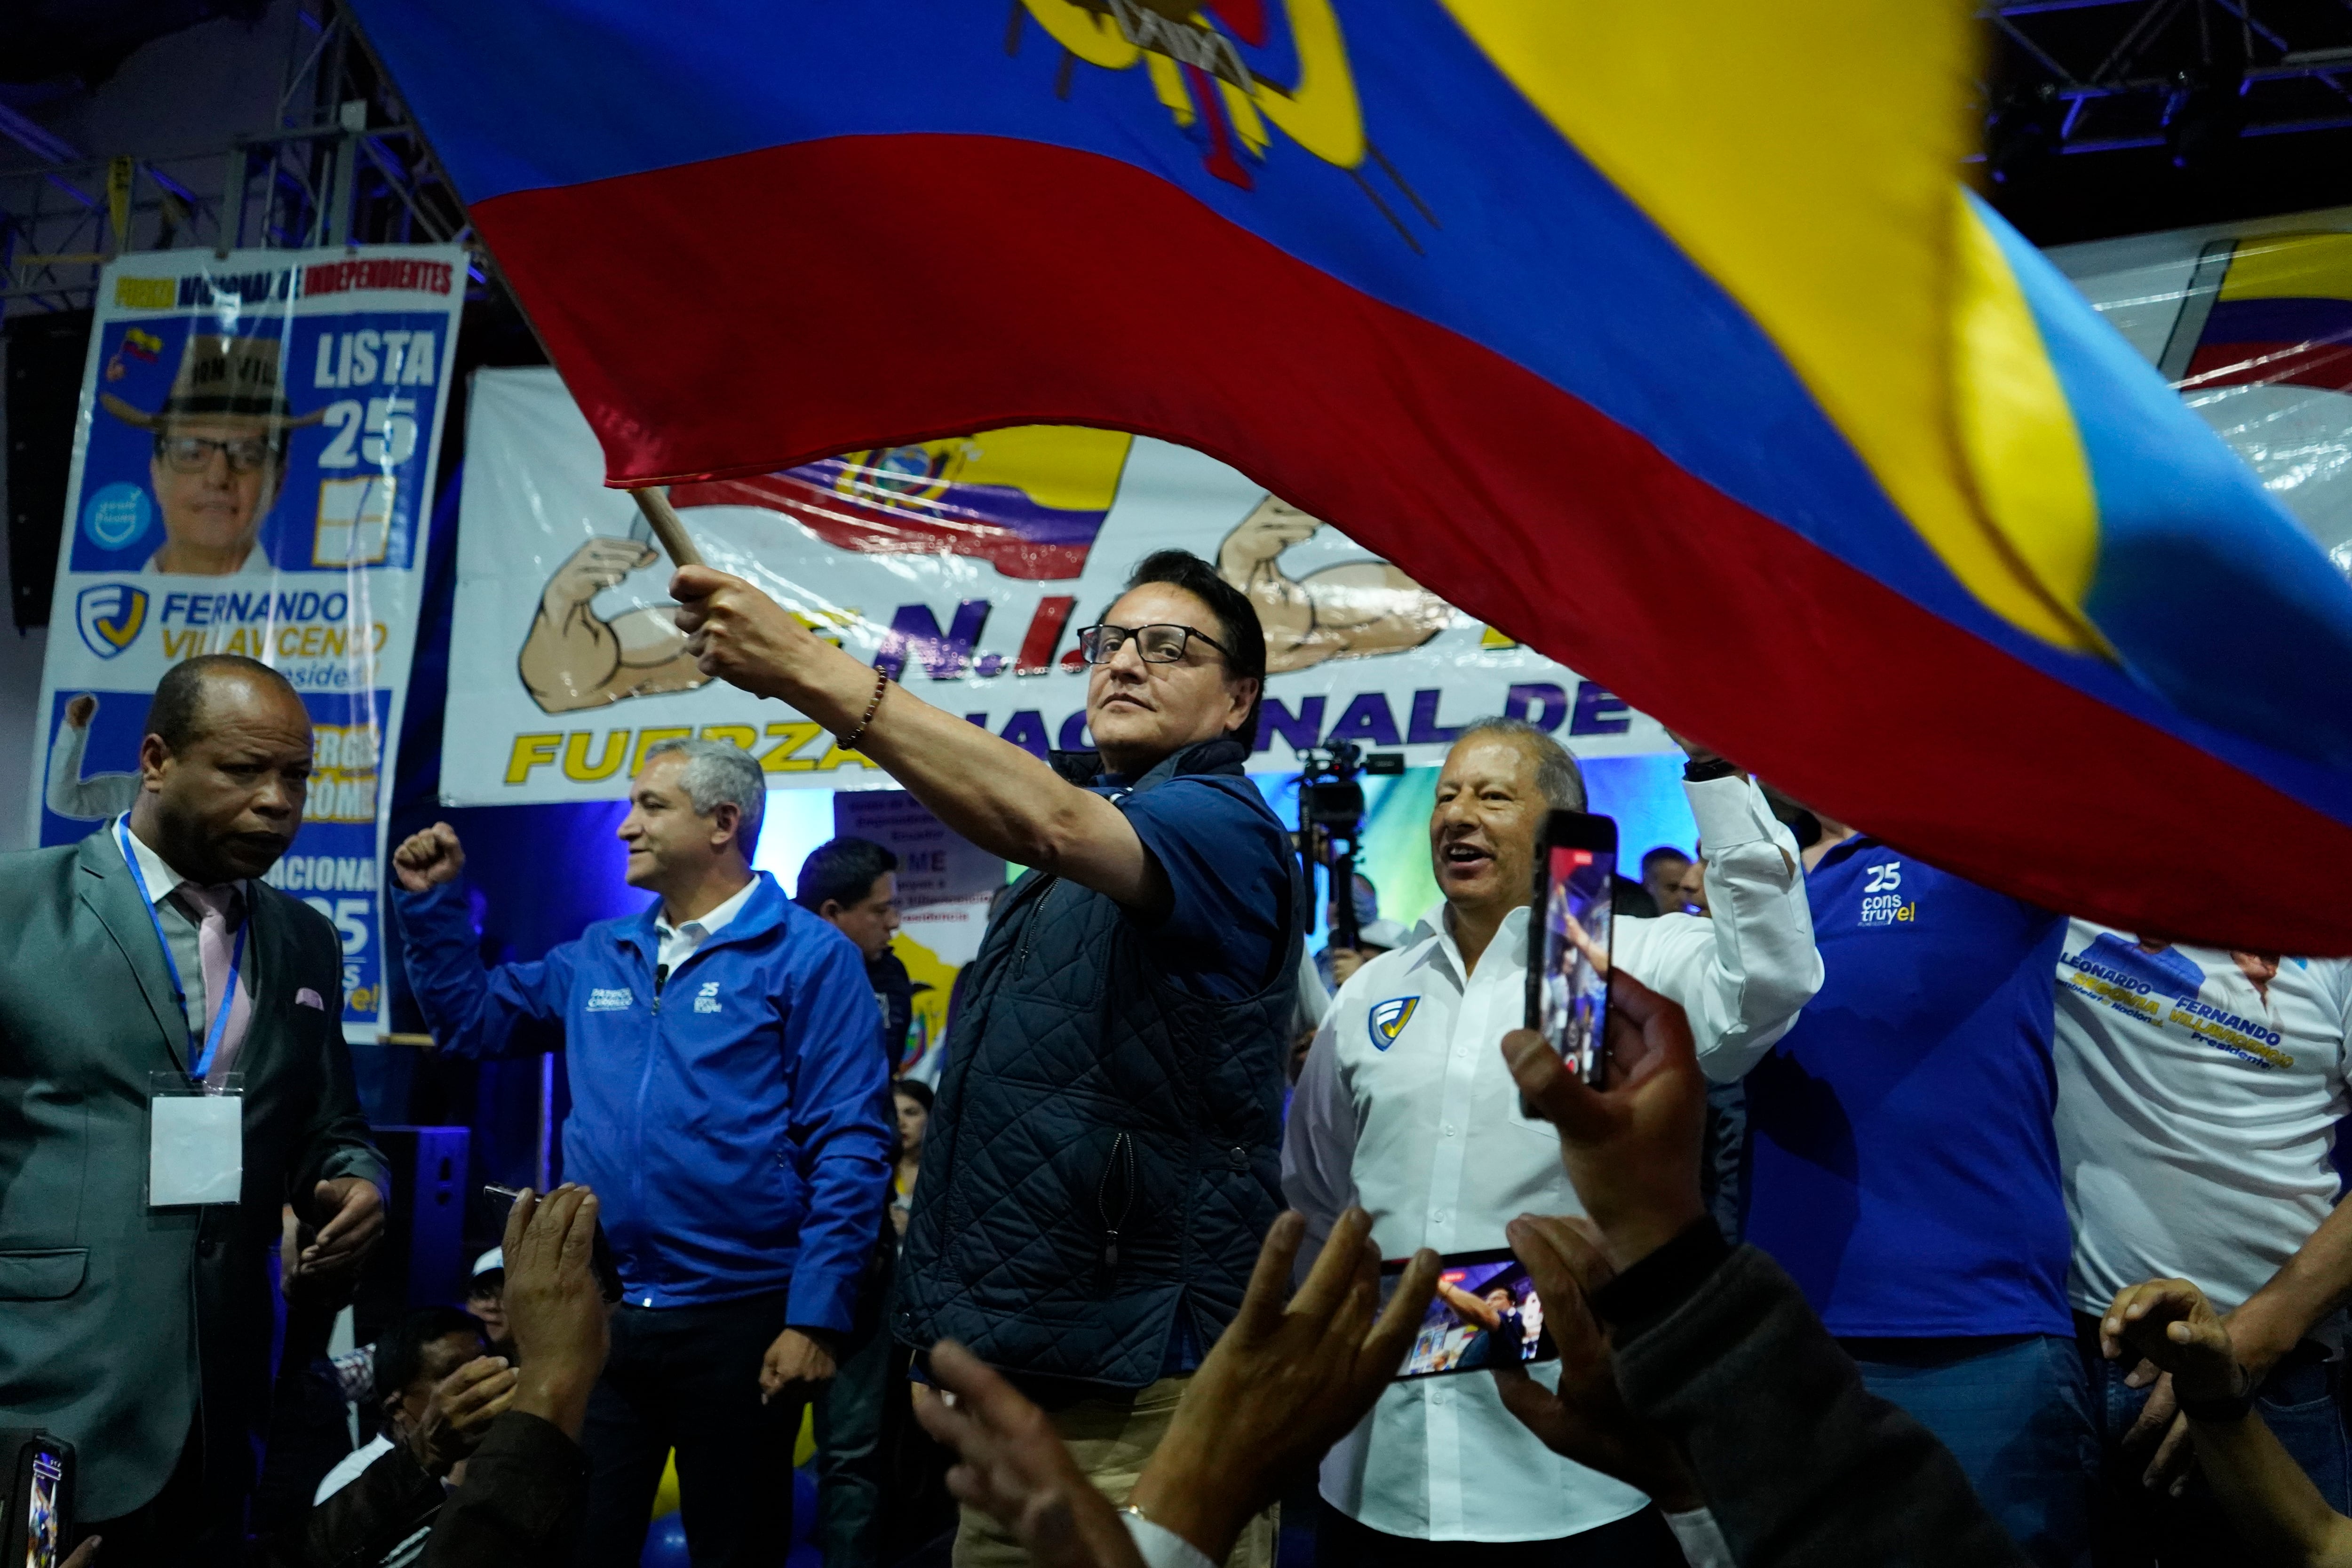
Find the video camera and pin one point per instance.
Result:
(1331, 813)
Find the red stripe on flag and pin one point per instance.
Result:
(2324, 366)
(753, 345)
(845, 525)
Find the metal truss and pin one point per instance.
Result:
(2072, 76)
(342, 166)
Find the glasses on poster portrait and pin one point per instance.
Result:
(192, 454)
(1158, 644)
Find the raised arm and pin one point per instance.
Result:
(516, 1009)
(1345, 611)
(1744, 975)
(65, 791)
(572, 659)
(1470, 1309)
(985, 789)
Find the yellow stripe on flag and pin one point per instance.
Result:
(2018, 430)
(2291, 267)
(1805, 159)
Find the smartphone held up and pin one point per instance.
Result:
(1486, 1313)
(1568, 979)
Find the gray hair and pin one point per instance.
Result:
(719, 772)
(1557, 775)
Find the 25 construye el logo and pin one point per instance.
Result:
(1881, 904)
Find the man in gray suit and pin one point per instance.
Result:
(151, 952)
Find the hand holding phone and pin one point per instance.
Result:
(36, 1513)
(1486, 1314)
(600, 1258)
(1568, 971)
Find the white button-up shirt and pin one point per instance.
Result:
(1424, 1131)
(679, 942)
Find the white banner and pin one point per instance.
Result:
(251, 475)
(966, 565)
(2253, 323)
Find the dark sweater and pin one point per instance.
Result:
(1802, 1467)
(520, 1505)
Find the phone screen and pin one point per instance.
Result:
(1484, 1312)
(1572, 995)
(42, 1525)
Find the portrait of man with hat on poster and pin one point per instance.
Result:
(219, 457)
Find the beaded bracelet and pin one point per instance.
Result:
(849, 741)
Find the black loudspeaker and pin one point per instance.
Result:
(421, 1261)
(44, 365)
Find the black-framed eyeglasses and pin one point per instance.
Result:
(192, 454)
(1158, 644)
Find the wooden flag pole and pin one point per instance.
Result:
(654, 502)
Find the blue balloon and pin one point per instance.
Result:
(666, 1544)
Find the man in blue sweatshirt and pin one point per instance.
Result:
(733, 1117)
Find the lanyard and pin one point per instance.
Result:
(237, 958)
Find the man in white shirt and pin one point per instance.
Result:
(1406, 1107)
(2199, 1092)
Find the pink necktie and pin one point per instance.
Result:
(216, 944)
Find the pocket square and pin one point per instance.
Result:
(306, 997)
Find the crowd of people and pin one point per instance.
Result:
(1911, 1222)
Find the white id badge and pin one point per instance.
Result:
(195, 1140)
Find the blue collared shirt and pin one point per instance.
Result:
(1228, 862)
(1905, 1162)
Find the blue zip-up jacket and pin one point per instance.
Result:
(736, 1129)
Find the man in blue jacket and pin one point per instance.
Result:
(732, 1115)
(1105, 1155)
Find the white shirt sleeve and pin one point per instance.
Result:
(1744, 975)
(1314, 1002)
(1701, 1540)
(1160, 1547)
(1319, 1145)
(92, 799)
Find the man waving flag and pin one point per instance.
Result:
(1579, 312)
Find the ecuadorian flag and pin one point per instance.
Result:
(1664, 337)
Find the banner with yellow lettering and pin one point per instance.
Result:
(965, 567)
(252, 475)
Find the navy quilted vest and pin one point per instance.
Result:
(1104, 1154)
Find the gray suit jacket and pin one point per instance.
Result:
(120, 1324)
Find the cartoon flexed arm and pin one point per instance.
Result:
(571, 659)
(68, 794)
(1341, 612)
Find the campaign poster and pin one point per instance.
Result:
(252, 473)
(946, 884)
(966, 567)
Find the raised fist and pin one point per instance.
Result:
(79, 710)
(599, 564)
(430, 858)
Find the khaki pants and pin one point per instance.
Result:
(1111, 1438)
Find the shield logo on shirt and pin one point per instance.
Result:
(1388, 1019)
